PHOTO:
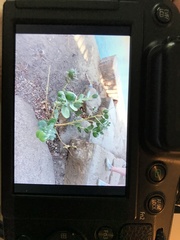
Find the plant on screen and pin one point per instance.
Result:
(66, 104)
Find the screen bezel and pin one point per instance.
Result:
(80, 190)
(23, 205)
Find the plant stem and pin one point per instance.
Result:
(98, 120)
(60, 138)
(64, 88)
(66, 146)
(76, 121)
(47, 88)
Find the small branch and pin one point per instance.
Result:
(60, 138)
(98, 121)
(47, 88)
(90, 83)
(64, 88)
(76, 121)
(66, 146)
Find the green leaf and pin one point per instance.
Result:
(59, 102)
(56, 114)
(86, 130)
(79, 129)
(61, 94)
(42, 124)
(102, 120)
(94, 96)
(85, 99)
(90, 127)
(65, 112)
(78, 104)
(72, 74)
(106, 116)
(79, 112)
(51, 134)
(98, 123)
(46, 130)
(81, 96)
(105, 111)
(52, 121)
(41, 135)
(70, 96)
(73, 107)
(95, 134)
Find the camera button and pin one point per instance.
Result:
(65, 235)
(163, 14)
(157, 172)
(155, 204)
(105, 233)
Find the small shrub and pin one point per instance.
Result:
(67, 102)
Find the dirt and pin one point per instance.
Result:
(39, 57)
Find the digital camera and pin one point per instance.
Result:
(90, 119)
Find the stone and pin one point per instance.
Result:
(114, 137)
(93, 104)
(33, 162)
(86, 164)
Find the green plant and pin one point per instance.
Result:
(98, 123)
(71, 74)
(46, 130)
(66, 104)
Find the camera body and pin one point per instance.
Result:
(143, 207)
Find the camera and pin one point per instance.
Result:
(90, 119)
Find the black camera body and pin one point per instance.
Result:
(140, 208)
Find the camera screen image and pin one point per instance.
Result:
(71, 107)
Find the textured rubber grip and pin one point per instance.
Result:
(136, 231)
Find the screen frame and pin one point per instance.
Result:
(123, 16)
(75, 190)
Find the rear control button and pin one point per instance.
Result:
(155, 204)
(160, 234)
(105, 233)
(163, 14)
(157, 172)
(66, 235)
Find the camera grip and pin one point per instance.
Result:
(163, 95)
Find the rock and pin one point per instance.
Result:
(79, 159)
(94, 103)
(114, 137)
(33, 161)
(86, 164)
(71, 132)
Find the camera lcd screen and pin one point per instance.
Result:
(71, 103)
